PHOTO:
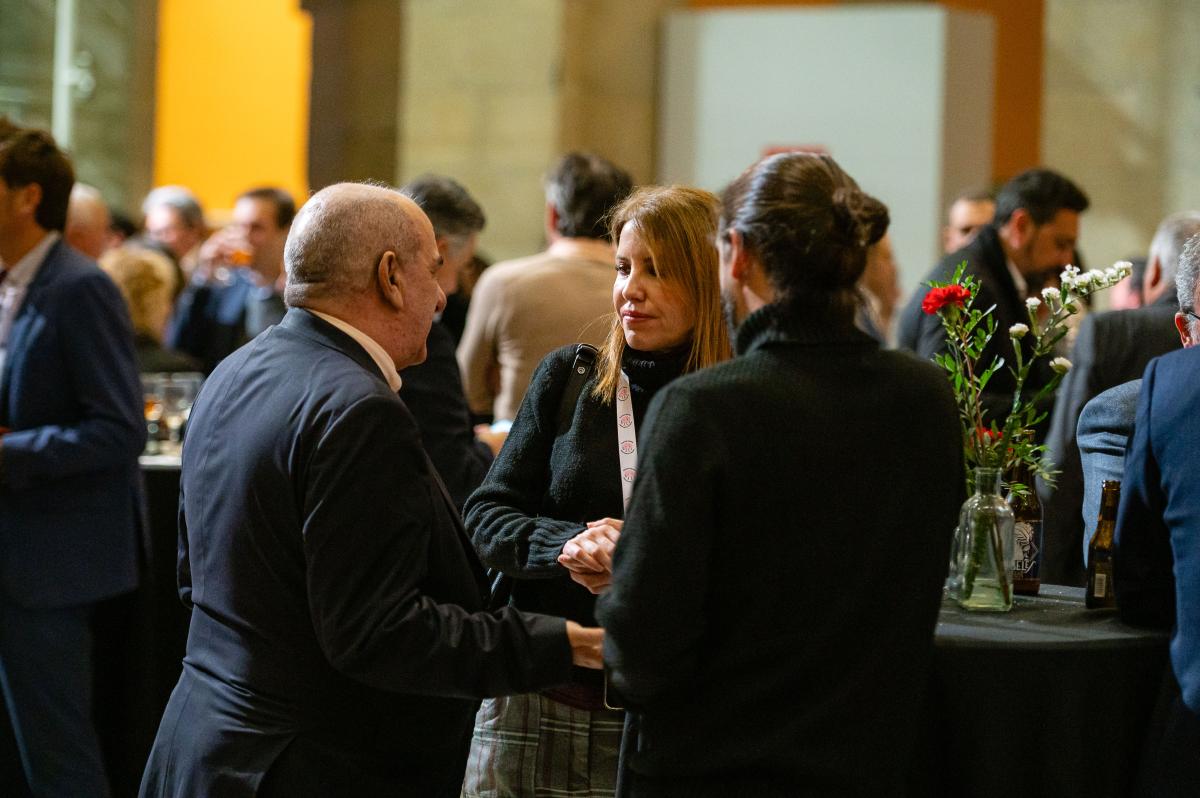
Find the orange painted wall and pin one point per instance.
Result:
(232, 97)
(1017, 110)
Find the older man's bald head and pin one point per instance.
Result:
(88, 221)
(339, 236)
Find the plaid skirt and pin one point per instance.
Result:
(530, 746)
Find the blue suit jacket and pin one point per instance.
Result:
(1103, 432)
(70, 393)
(211, 320)
(1157, 560)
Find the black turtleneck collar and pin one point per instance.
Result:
(796, 324)
(652, 370)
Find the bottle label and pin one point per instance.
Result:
(1026, 549)
(1101, 585)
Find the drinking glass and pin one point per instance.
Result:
(178, 393)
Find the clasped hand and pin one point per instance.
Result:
(588, 555)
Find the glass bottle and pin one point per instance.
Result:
(1100, 550)
(984, 543)
(1027, 534)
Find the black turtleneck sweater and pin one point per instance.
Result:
(543, 488)
(779, 575)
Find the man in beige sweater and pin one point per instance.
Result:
(521, 310)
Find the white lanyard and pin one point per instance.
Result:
(626, 438)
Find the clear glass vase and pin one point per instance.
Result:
(983, 548)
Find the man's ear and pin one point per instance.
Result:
(1182, 323)
(390, 281)
(1153, 275)
(444, 247)
(29, 197)
(735, 247)
(1021, 227)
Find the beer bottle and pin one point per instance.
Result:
(1100, 550)
(1027, 534)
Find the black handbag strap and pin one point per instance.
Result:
(581, 370)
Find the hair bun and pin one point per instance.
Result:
(861, 218)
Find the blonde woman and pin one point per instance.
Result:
(548, 514)
(147, 281)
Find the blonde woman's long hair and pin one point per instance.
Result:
(678, 225)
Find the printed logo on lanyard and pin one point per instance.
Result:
(626, 438)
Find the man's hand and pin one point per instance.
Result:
(585, 645)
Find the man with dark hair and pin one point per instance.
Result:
(433, 390)
(524, 309)
(243, 292)
(1032, 236)
(1111, 348)
(71, 429)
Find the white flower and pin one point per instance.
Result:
(1032, 303)
(1124, 269)
(1111, 275)
(1018, 330)
(1049, 294)
(1061, 365)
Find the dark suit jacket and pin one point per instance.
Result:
(336, 600)
(773, 603)
(923, 333)
(434, 394)
(211, 321)
(1157, 557)
(1105, 425)
(69, 497)
(1111, 348)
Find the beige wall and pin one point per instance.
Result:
(492, 91)
(1122, 114)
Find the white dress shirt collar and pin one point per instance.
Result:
(21, 273)
(385, 364)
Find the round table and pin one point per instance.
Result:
(1048, 699)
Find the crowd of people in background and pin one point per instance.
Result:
(688, 440)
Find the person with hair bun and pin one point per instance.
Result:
(549, 512)
(779, 572)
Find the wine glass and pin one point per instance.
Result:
(178, 393)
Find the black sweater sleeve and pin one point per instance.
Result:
(505, 514)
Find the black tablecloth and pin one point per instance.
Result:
(1049, 699)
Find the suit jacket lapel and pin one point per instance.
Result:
(24, 322)
(468, 545)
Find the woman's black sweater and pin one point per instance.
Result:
(544, 487)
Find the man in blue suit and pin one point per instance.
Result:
(243, 291)
(71, 413)
(1157, 558)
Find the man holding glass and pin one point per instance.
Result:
(72, 428)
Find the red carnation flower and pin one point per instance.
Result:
(938, 298)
